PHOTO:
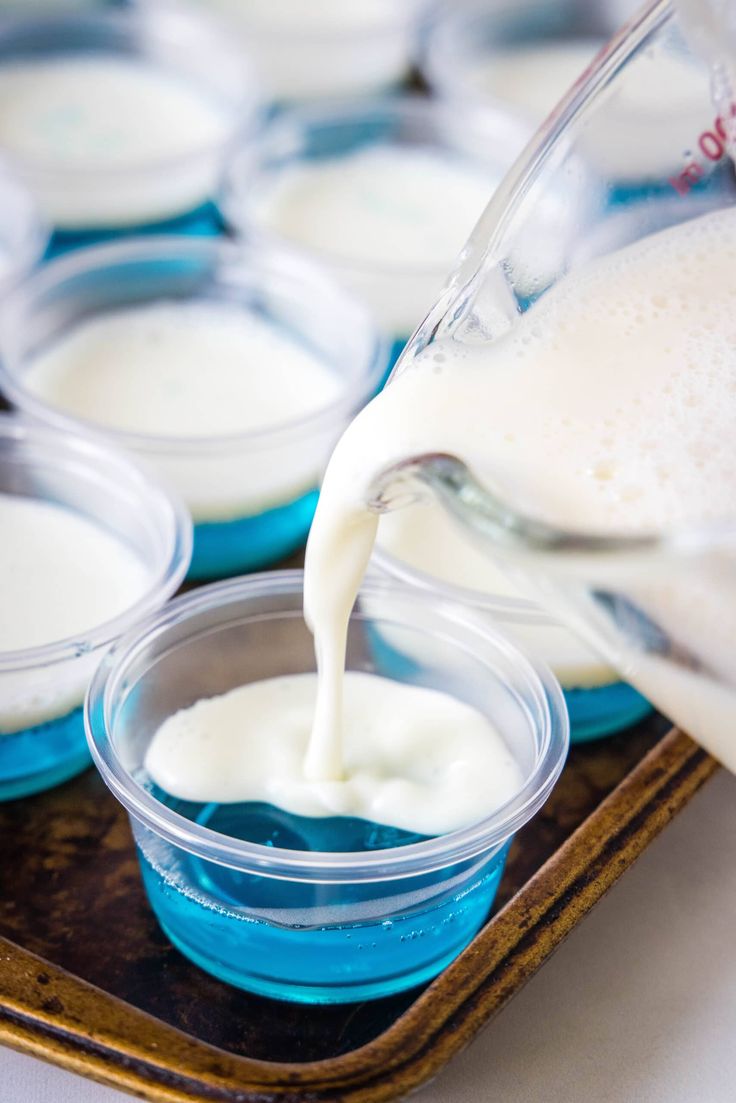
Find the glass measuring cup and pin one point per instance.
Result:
(657, 605)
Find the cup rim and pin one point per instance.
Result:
(399, 862)
(114, 468)
(264, 256)
(527, 611)
(164, 22)
(34, 233)
(493, 123)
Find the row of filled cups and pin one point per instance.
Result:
(227, 371)
(145, 340)
(122, 117)
(164, 378)
(329, 48)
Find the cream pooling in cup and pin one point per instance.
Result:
(412, 757)
(425, 539)
(191, 369)
(644, 442)
(61, 575)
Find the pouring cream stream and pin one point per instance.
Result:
(608, 407)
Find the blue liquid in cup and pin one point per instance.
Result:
(604, 710)
(43, 756)
(223, 548)
(205, 221)
(271, 936)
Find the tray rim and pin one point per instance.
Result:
(51, 1014)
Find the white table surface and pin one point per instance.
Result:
(638, 1006)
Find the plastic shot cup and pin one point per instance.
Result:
(42, 741)
(529, 56)
(306, 914)
(23, 235)
(252, 495)
(396, 289)
(87, 188)
(327, 47)
(598, 702)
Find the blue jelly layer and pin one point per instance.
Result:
(594, 712)
(204, 222)
(212, 920)
(224, 548)
(42, 756)
(604, 710)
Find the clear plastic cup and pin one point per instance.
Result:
(327, 47)
(467, 47)
(598, 702)
(474, 55)
(42, 740)
(398, 292)
(303, 923)
(96, 199)
(252, 495)
(23, 235)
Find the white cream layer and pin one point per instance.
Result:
(134, 121)
(413, 758)
(324, 47)
(390, 219)
(191, 370)
(61, 576)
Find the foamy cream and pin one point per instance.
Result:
(390, 220)
(412, 757)
(424, 538)
(195, 370)
(114, 115)
(61, 576)
(609, 406)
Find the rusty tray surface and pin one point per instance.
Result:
(88, 981)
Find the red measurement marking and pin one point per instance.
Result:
(712, 145)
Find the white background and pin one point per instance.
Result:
(638, 1006)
